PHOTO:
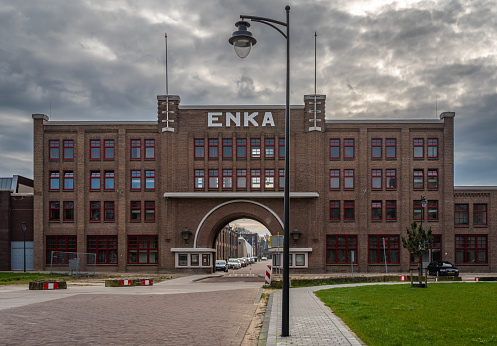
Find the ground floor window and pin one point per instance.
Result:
(384, 248)
(143, 249)
(183, 259)
(104, 247)
(59, 246)
(471, 249)
(195, 259)
(206, 259)
(341, 249)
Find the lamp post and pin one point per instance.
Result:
(242, 41)
(24, 227)
(423, 205)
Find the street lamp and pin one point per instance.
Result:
(296, 234)
(242, 41)
(24, 227)
(423, 205)
(185, 233)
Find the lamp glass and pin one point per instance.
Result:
(242, 47)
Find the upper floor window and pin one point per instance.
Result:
(95, 180)
(391, 179)
(418, 211)
(255, 179)
(135, 211)
(241, 179)
(376, 178)
(227, 148)
(281, 179)
(68, 149)
(241, 148)
(95, 211)
(391, 210)
(54, 181)
(255, 148)
(149, 180)
(281, 148)
(348, 179)
(199, 179)
(227, 179)
(109, 211)
(68, 211)
(199, 148)
(269, 148)
(348, 210)
(461, 214)
(68, 180)
(432, 148)
(334, 179)
(376, 212)
(136, 149)
(334, 148)
(348, 148)
(149, 211)
(109, 180)
(95, 149)
(390, 148)
(213, 148)
(109, 149)
(54, 211)
(418, 179)
(136, 177)
(480, 214)
(433, 179)
(334, 210)
(149, 149)
(269, 179)
(213, 179)
(418, 148)
(376, 148)
(432, 210)
(54, 149)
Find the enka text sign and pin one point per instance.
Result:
(237, 119)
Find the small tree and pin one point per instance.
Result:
(418, 242)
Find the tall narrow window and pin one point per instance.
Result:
(109, 180)
(135, 211)
(227, 179)
(95, 149)
(418, 148)
(149, 149)
(432, 148)
(418, 211)
(68, 149)
(334, 210)
(418, 179)
(281, 179)
(390, 148)
(348, 210)
(241, 148)
(376, 148)
(269, 179)
(136, 177)
(480, 214)
(109, 149)
(54, 149)
(376, 212)
(149, 180)
(269, 148)
(109, 211)
(54, 211)
(136, 149)
(391, 210)
(348, 148)
(199, 148)
(334, 148)
(348, 179)
(461, 215)
(149, 211)
(255, 148)
(213, 148)
(376, 178)
(54, 181)
(432, 210)
(432, 179)
(199, 179)
(334, 179)
(281, 148)
(241, 179)
(391, 179)
(68, 180)
(255, 179)
(227, 148)
(94, 211)
(68, 211)
(95, 180)
(213, 179)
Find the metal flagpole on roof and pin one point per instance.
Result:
(167, 121)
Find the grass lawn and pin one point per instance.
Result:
(8, 278)
(442, 314)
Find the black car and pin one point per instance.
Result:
(221, 265)
(442, 268)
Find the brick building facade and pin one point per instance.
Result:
(154, 195)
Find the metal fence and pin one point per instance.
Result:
(72, 263)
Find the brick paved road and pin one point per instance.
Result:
(202, 318)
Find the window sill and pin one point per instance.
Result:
(390, 158)
(340, 264)
(433, 220)
(142, 264)
(461, 226)
(383, 264)
(480, 226)
(392, 220)
(433, 158)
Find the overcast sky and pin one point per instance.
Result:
(104, 60)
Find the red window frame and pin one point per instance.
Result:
(376, 179)
(213, 179)
(390, 176)
(342, 246)
(62, 243)
(227, 179)
(108, 207)
(135, 146)
(68, 150)
(109, 149)
(68, 211)
(241, 148)
(109, 181)
(148, 244)
(54, 149)
(135, 211)
(389, 144)
(241, 174)
(334, 148)
(149, 149)
(255, 148)
(348, 144)
(281, 148)
(199, 179)
(213, 148)
(104, 247)
(95, 211)
(334, 177)
(348, 174)
(433, 148)
(227, 148)
(54, 180)
(54, 211)
(376, 249)
(281, 179)
(376, 206)
(417, 208)
(347, 207)
(206, 260)
(95, 181)
(269, 147)
(389, 207)
(334, 210)
(68, 178)
(95, 152)
(418, 175)
(135, 180)
(461, 214)
(477, 244)
(480, 214)
(149, 180)
(376, 148)
(269, 183)
(199, 148)
(418, 143)
(432, 210)
(433, 179)
(255, 179)
(149, 211)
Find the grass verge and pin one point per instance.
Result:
(8, 278)
(442, 314)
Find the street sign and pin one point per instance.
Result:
(276, 241)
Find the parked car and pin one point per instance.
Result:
(242, 262)
(221, 265)
(442, 268)
(233, 263)
(263, 258)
